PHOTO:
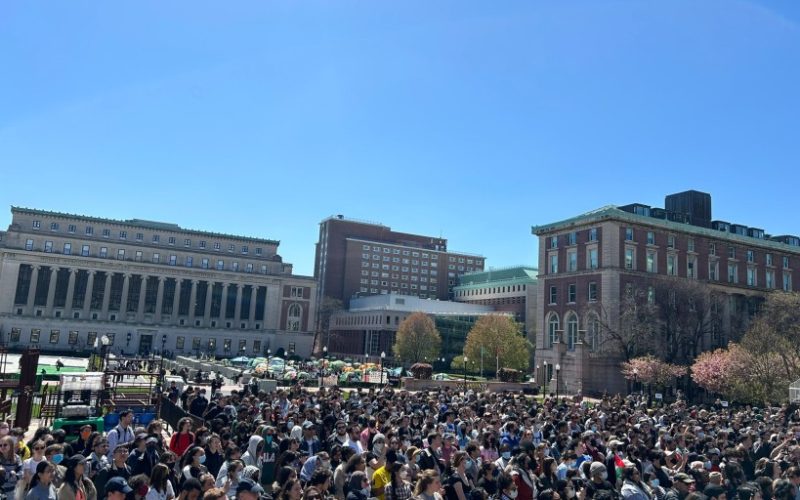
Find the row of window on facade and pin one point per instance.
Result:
(572, 293)
(571, 336)
(493, 289)
(592, 260)
(424, 255)
(398, 260)
(74, 339)
(387, 267)
(155, 238)
(571, 238)
(404, 286)
(154, 257)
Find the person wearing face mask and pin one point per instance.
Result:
(598, 480)
(358, 486)
(84, 442)
(523, 476)
(191, 464)
(507, 488)
(268, 459)
(504, 461)
(398, 488)
(235, 475)
(319, 461)
(54, 454)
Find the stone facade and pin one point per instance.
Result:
(67, 279)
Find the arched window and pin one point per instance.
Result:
(293, 318)
(552, 330)
(593, 333)
(572, 330)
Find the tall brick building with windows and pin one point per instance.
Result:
(588, 263)
(358, 259)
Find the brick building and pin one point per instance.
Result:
(357, 259)
(65, 279)
(590, 263)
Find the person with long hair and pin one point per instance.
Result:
(11, 463)
(75, 486)
(41, 485)
(160, 486)
(283, 476)
(429, 486)
(191, 464)
(548, 478)
(358, 486)
(506, 488)
(292, 490)
(458, 485)
(29, 466)
(183, 439)
(398, 488)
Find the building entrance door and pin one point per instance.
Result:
(145, 344)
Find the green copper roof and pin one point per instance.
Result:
(612, 212)
(507, 276)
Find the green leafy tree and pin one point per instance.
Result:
(417, 339)
(498, 338)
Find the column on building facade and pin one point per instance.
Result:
(207, 308)
(32, 289)
(107, 294)
(142, 293)
(160, 296)
(123, 304)
(251, 317)
(237, 313)
(87, 299)
(193, 300)
(70, 292)
(176, 301)
(223, 302)
(51, 291)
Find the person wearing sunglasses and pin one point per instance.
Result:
(29, 465)
(10, 466)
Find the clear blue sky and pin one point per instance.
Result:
(473, 120)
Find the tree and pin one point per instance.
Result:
(722, 370)
(457, 365)
(417, 339)
(497, 338)
(634, 333)
(327, 309)
(652, 371)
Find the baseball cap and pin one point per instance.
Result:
(684, 478)
(118, 484)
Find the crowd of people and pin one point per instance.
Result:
(389, 444)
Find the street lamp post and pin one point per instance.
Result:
(544, 378)
(104, 343)
(635, 379)
(444, 364)
(163, 347)
(324, 359)
(465, 373)
(558, 369)
(383, 356)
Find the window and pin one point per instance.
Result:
(293, 318)
(752, 278)
(733, 273)
(121, 254)
(217, 247)
(554, 242)
(85, 250)
(106, 233)
(139, 237)
(54, 335)
(786, 262)
(54, 226)
(672, 268)
(263, 269)
(691, 267)
(628, 234)
(651, 295)
(48, 246)
(592, 291)
(123, 235)
(231, 247)
(71, 229)
(770, 278)
(671, 241)
(171, 240)
(67, 249)
(189, 261)
(245, 250)
(235, 266)
(552, 330)
(29, 244)
(180, 341)
(769, 259)
(751, 256)
(731, 252)
(35, 333)
(787, 282)
(630, 258)
(187, 242)
(15, 334)
(89, 230)
(196, 343)
(571, 293)
(91, 338)
(651, 262)
(553, 263)
(690, 244)
(37, 224)
(156, 238)
(103, 252)
(593, 234)
(712, 249)
(713, 271)
(297, 292)
(201, 244)
(138, 256)
(651, 238)
(572, 260)
(111, 337)
(572, 331)
(248, 268)
(73, 337)
(553, 295)
(592, 264)
(258, 251)
(572, 238)
(156, 258)
(220, 265)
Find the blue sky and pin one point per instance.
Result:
(473, 120)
